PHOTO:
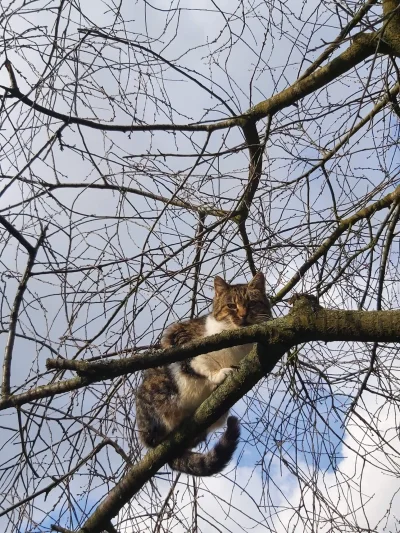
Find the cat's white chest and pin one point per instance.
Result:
(228, 356)
(194, 390)
(213, 327)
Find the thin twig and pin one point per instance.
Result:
(197, 263)
(46, 490)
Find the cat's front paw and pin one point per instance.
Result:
(220, 376)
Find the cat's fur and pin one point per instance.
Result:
(171, 393)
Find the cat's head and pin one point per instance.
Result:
(242, 304)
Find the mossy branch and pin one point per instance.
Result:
(391, 26)
(324, 325)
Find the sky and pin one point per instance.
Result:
(123, 85)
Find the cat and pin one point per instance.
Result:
(171, 393)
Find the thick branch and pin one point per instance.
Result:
(17, 235)
(325, 325)
(256, 150)
(255, 168)
(247, 247)
(339, 39)
(44, 391)
(391, 32)
(124, 128)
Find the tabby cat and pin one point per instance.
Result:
(171, 393)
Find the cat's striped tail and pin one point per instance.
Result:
(214, 461)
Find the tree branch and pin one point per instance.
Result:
(123, 190)
(366, 212)
(5, 389)
(364, 45)
(327, 326)
(17, 235)
(56, 481)
(391, 29)
(389, 97)
(256, 150)
(251, 370)
(44, 391)
(16, 93)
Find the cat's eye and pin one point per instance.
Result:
(231, 307)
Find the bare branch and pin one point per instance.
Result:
(17, 235)
(366, 212)
(5, 390)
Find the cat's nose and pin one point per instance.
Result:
(242, 315)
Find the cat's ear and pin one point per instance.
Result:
(220, 285)
(257, 283)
